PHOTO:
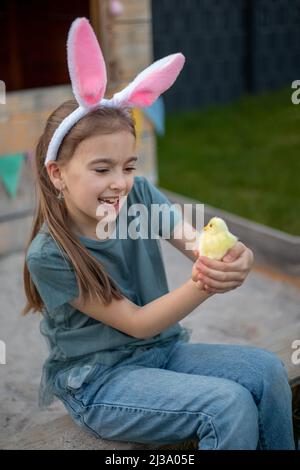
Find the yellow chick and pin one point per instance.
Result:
(215, 239)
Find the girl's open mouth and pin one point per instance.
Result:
(114, 202)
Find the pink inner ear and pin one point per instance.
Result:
(87, 64)
(143, 97)
(154, 80)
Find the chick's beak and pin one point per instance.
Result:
(205, 228)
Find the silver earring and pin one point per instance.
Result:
(60, 197)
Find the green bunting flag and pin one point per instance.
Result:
(10, 171)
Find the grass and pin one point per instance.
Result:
(243, 158)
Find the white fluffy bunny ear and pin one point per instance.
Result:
(86, 64)
(151, 83)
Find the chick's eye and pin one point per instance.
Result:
(210, 225)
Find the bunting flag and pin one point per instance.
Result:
(138, 118)
(29, 158)
(156, 114)
(10, 171)
(11, 165)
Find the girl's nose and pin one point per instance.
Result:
(119, 183)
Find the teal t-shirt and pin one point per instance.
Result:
(136, 265)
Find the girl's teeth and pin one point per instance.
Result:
(108, 201)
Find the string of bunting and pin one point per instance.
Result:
(11, 164)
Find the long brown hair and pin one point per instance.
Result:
(91, 276)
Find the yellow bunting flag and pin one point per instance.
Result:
(138, 118)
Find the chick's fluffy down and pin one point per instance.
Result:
(215, 240)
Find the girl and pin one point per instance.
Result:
(119, 360)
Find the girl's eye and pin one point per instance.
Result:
(130, 168)
(104, 170)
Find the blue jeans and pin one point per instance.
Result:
(226, 396)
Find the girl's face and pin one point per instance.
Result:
(102, 167)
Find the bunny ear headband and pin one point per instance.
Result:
(88, 76)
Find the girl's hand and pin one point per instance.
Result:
(222, 276)
(195, 276)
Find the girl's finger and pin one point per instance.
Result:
(216, 265)
(235, 252)
(211, 283)
(219, 275)
(217, 291)
(239, 265)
